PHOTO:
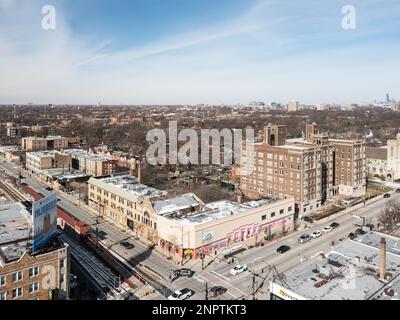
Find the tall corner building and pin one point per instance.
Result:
(310, 169)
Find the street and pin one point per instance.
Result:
(261, 261)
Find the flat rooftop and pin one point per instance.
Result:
(4, 149)
(349, 272)
(217, 210)
(87, 155)
(47, 138)
(130, 185)
(296, 147)
(174, 205)
(15, 231)
(49, 153)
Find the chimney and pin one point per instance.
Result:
(383, 260)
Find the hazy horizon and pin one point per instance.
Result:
(199, 52)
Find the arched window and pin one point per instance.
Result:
(147, 220)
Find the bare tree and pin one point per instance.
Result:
(390, 216)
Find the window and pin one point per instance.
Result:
(33, 287)
(264, 217)
(282, 211)
(33, 272)
(290, 209)
(2, 281)
(3, 296)
(272, 214)
(17, 276)
(16, 293)
(62, 263)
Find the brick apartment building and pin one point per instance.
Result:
(27, 275)
(310, 169)
(92, 164)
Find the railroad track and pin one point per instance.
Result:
(12, 192)
(103, 276)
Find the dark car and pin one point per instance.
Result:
(335, 225)
(283, 249)
(184, 273)
(49, 189)
(352, 236)
(127, 245)
(397, 190)
(308, 219)
(387, 195)
(217, 291)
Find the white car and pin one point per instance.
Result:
(327, 229)
(181, 294)
(316, 234)
(238, 269)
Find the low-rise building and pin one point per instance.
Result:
(24, 274)
(362, 269)
(36, 162)
(11, 153)
(184, 221)
(41, 144)
(376, 162)
(92, 164)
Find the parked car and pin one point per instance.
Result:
(335, 225)
(217, 291)
(308, 219)
(316, 234)
(398, 190)
(387, 195)
(304, 238)
(184, 272)
(127, 245)
(181, 294)
(238, 269)
(283, 249)
(327, 229)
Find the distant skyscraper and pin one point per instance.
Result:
(293, 106)
(387, 98)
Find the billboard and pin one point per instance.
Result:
(44, 214)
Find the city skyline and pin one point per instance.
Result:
(215, 53)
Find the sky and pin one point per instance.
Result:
(198, 51)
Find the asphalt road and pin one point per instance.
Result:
(217, 274)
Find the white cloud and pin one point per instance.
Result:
(238, 60)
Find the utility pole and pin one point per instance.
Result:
(254, 286)
(206, 291)
(182, 248)
(97, 232)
